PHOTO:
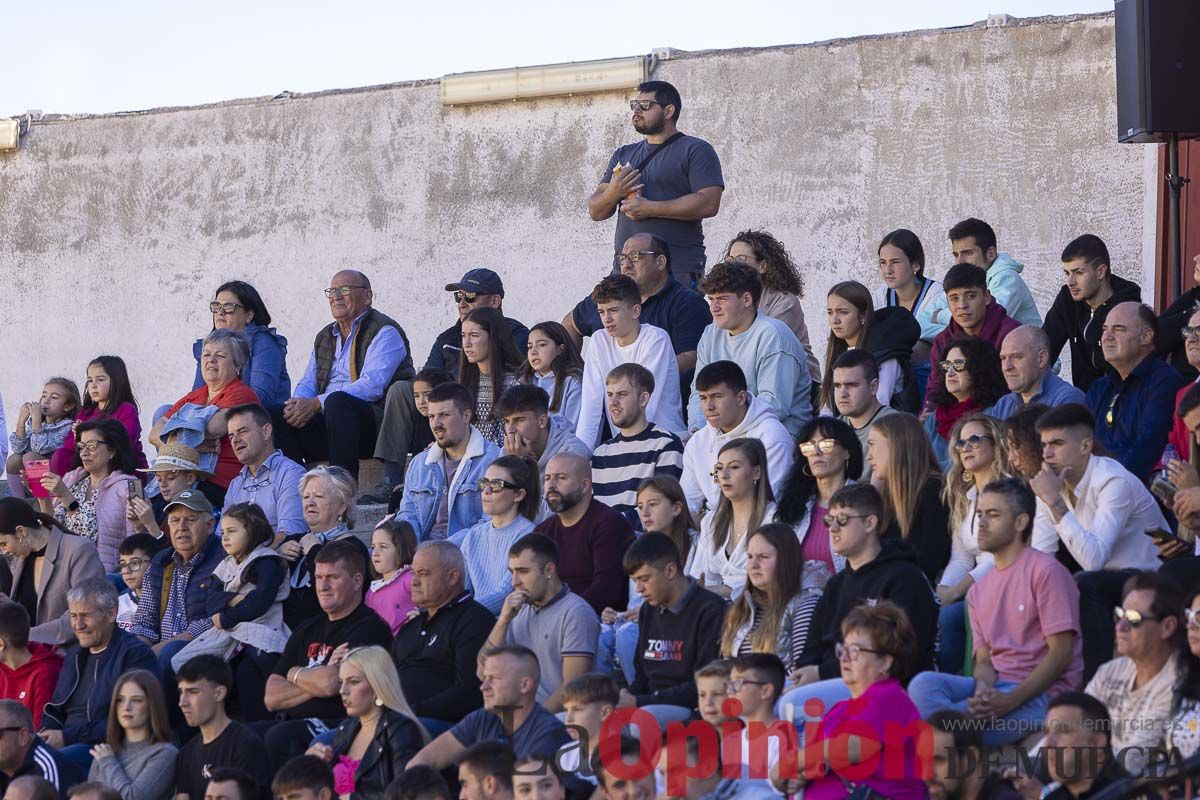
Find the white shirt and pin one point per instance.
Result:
(730, 567)
(1105, 527)
(653, 350)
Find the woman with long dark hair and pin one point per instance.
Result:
(902, 268)
(490, 365)
(1183, 730)
(888, 334)
(553, 362)
(238, 307)
(138, 758)
(783, 285)
(828, 457)
(974, 382)
(772, 614)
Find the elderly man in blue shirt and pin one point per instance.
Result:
(1134, 403)
(335, 412)
(268, 477)
(1025, 357)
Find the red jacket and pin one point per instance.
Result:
(996, 325)
(33, 683)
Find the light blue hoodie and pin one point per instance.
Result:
(1005, 283)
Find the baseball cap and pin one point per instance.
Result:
(478, 281)
(193, 499)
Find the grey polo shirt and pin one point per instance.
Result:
(566, 626)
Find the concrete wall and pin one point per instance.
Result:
(115, 230)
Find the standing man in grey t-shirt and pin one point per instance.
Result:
(663, 185)
(543, 614)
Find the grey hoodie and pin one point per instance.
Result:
(562, 439)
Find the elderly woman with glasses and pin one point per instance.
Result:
(877, 653)
(222, 362)
(237, 307)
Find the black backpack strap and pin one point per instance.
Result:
(641, 166)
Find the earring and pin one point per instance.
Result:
(378, 702)
(806, 470)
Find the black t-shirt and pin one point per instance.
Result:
(76, 705)
(237, 746)
(311, 644)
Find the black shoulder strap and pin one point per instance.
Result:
(641, 166)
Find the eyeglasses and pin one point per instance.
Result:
(132, 565)
(736, 686)
(344, 291)
(958, 365)
(11, 729)
(972, 442)
(1189, 332)
(90, 447)
(633, 258)
(1192, 617)
(852, 652)
(840, 520)
(644, 105)
(496, 485)
(824, 447)
(466, 297)
(1134, 618)
(225, 308)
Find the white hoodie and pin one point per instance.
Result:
(701, 451)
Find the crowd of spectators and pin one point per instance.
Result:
(663, 509)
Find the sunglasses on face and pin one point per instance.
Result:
(824, 447)
(633, 258)
(496, 485)
(1189, 332)
(466, 297)
(643, 105)
(1134, 618)
(833, 521)
(958, 365)
(224, 308)
(971, 442)
(90, 447)
(1192, 617)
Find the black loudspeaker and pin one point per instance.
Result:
(1158, 69)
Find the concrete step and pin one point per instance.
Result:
(365, 520)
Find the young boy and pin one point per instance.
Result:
(756, 680)
(711, 680)
(587, 702)
(136, 552)
(623, 340)
(28, 672)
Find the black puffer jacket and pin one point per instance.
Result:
(1075, 322)
(397, 740)
(894, 333)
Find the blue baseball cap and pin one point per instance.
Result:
(478, 281)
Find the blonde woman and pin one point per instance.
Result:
(978, 456)
(746, 503)
(381, 733)
(907, 475)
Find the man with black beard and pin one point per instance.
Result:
(591, 537)
(663, 185)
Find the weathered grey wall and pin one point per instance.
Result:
(115, 230)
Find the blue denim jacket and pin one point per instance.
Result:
(425, 486)
(190, 423)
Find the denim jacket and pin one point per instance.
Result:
(425, 486)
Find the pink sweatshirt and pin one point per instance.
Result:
(64, 458)
(392, 599)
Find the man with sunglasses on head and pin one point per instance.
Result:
(876, 569)
(1025, 623)
(1138, 685)
(1134, 402)
(335, 412)
(1101, 512)
(1025, 359)
(665, 184)
(479, 288)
